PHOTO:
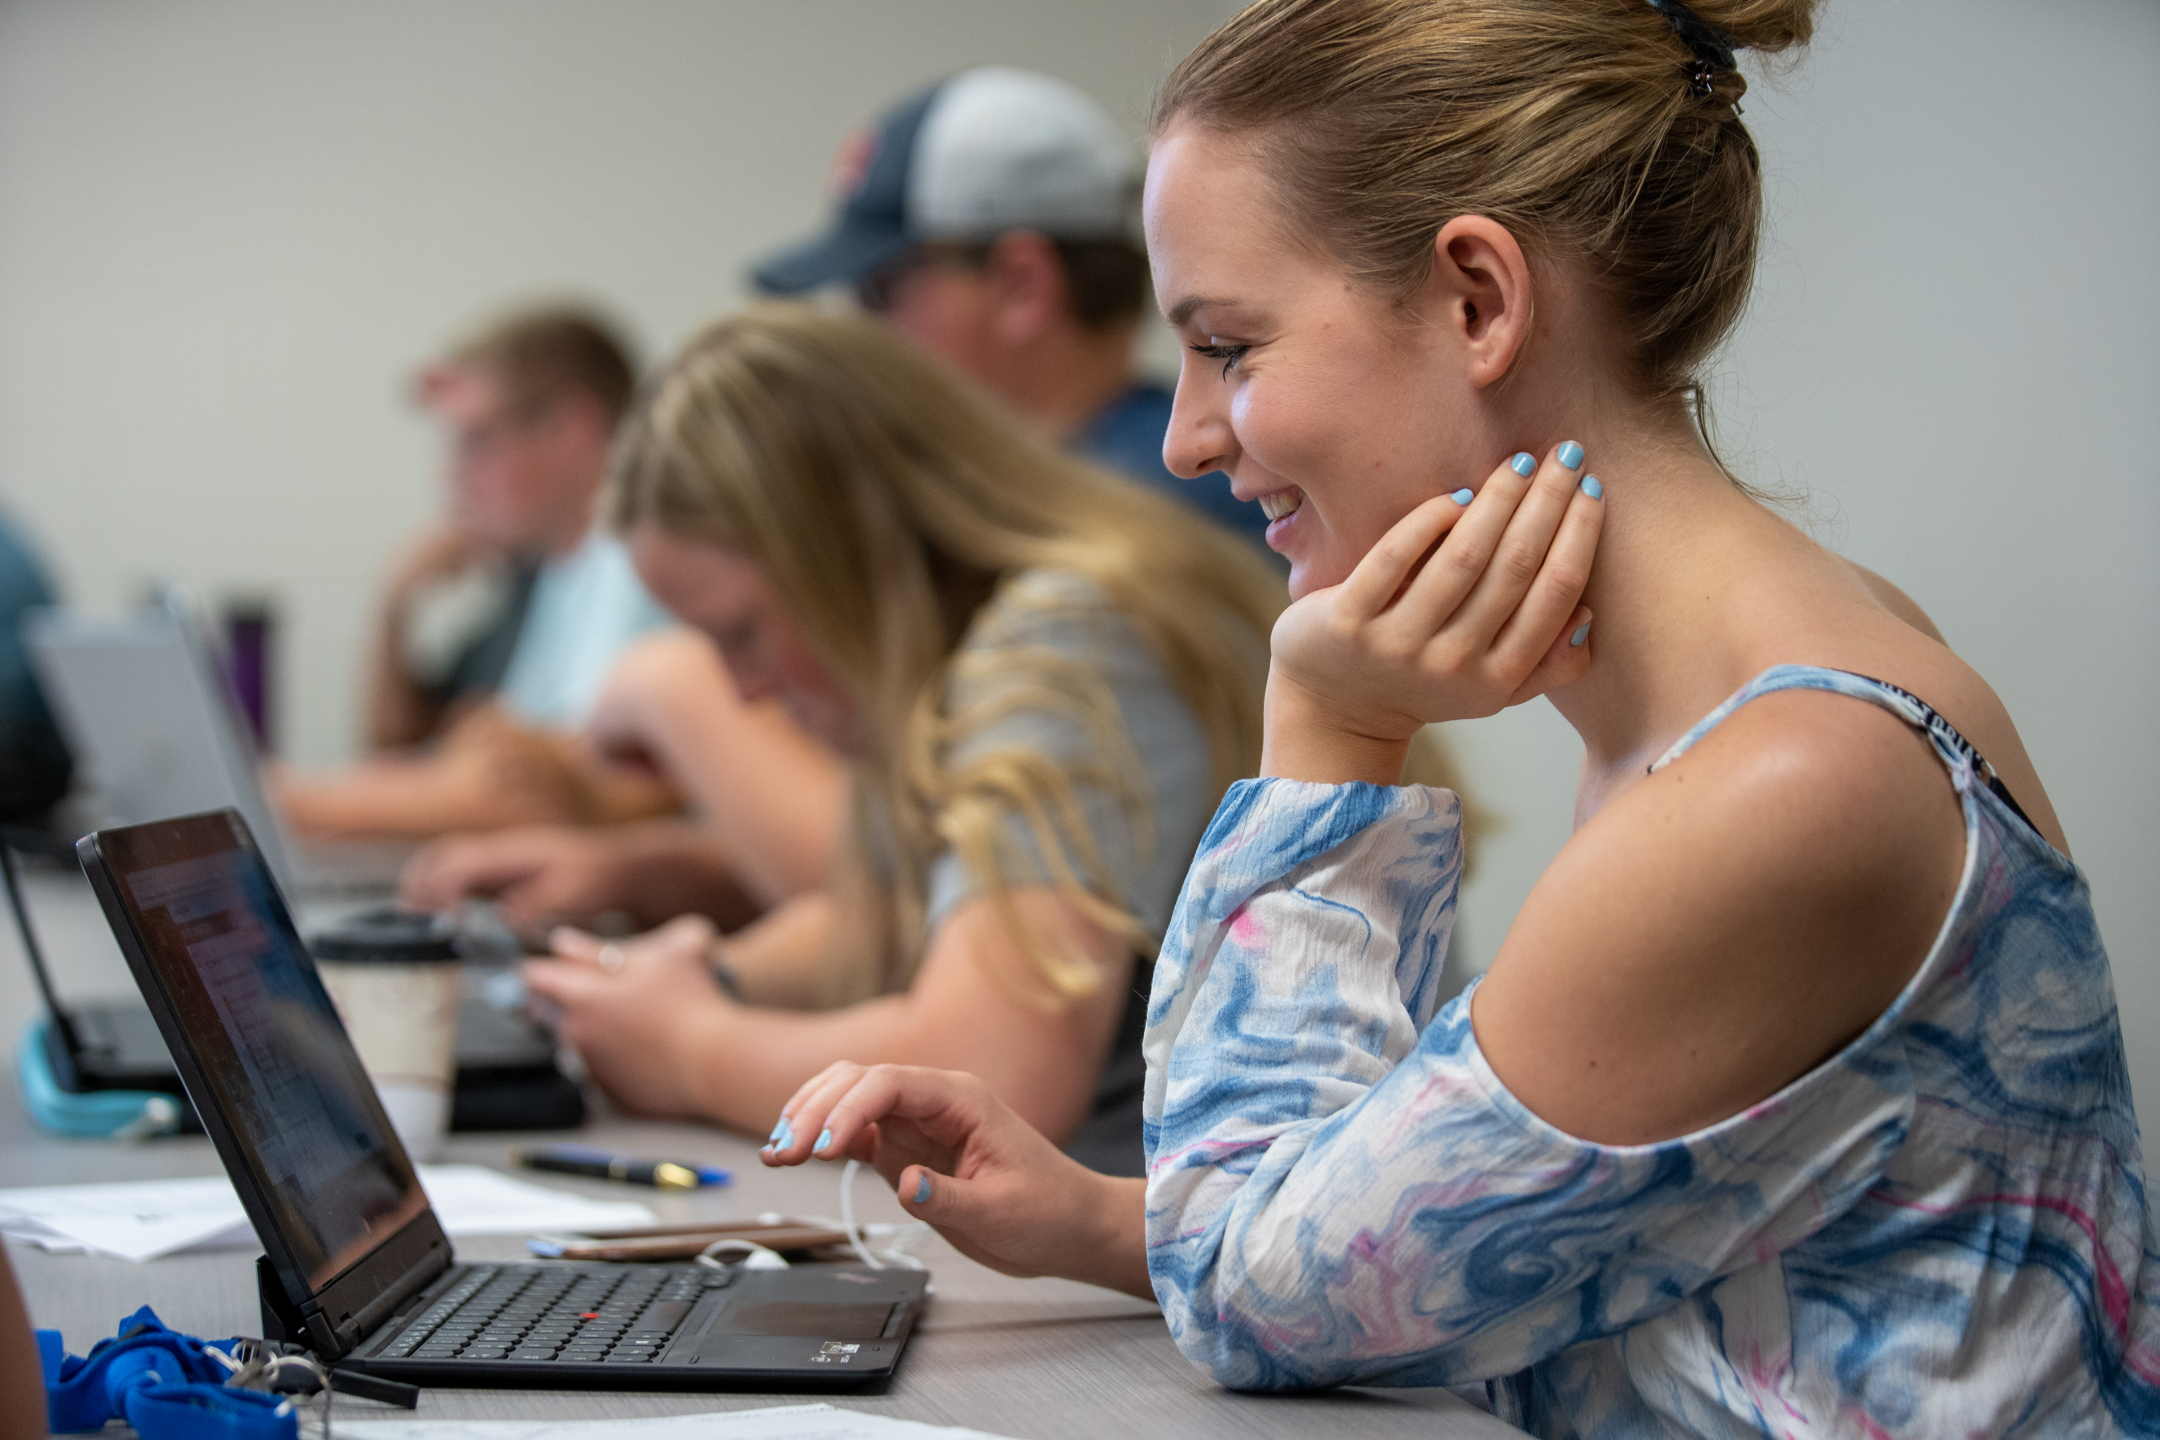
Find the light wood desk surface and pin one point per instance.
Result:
(1032, 1359)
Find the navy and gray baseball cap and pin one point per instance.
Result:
(989, 150)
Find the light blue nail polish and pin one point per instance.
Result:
(1581, 634)
(783, 1135)
(1591, 488)
(922, 1189)
(1571, 455)
(824, 1138)
(774, 1138)
(1463, 496)
(1524, 465)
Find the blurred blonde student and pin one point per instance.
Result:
(1042, 677)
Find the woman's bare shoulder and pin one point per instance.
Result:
(1896, 601)
(1727, 924)
(1894, 640)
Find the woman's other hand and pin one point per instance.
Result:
(540, 876)
(959, 1158)
(537, 874)
(1467, 606)
(633, 1009)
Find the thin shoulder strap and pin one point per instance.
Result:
(1956, 751)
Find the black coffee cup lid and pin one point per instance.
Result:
(388, 936)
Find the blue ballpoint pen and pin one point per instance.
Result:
(582, 1160)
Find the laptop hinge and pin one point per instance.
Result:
(363, 1322)
(334, 1320)
(281, 1323)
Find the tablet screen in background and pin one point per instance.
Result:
(278, 1063)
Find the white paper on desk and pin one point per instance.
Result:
(138, 1220)
(474, 1200)
(146, 1219)
(786, 1422)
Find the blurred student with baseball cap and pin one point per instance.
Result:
(991, 220)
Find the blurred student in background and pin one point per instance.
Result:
(1042, 678)
(34, 762)
(990, 219)
(514, 595)
(500, 622)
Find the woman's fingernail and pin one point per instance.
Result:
(778, 1126)
(1571, 455)
(1463, 496)
(1581, 634)
(824, 1138)
(1591, 488)
(922, 1189)
(1524, 465)
(783, 1135)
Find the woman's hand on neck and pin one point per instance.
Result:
(1683, 551)
(1677, 534)
(1470, 604)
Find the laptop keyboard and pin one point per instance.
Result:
(620, 1315)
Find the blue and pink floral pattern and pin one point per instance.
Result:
(1941, 1230)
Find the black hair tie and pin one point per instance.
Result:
(1713, 48)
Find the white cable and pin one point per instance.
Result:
(875, 1259)
(751, 1256)
(847, 1216)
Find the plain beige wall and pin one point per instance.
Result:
(228, 229)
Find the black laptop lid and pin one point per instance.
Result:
(327, 1169)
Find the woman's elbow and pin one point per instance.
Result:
(1240, 1340)
(1249, 1332)
(1254, 1355)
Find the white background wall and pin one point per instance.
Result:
(229, 228)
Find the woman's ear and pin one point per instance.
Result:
(1479, 293)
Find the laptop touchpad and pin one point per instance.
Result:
(796, 1317)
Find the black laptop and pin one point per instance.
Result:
(507, 1078)
(356, 1266)
(89, 1048)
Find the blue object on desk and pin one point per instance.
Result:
(165, 1384)
(88, 1114)
(604, 1165)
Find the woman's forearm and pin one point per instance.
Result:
(1117, 1237)
(667, 868)
(743, 1062)
(968, 1009)
(779, 796)
(783, 960)
(1246, 1069)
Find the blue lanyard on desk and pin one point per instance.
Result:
(167, 1385)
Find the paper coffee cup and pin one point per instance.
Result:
(395, 980)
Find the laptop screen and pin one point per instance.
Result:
(276, 1059)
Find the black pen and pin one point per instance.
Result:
(580, 1160)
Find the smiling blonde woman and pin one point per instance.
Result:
(1795, 1101)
